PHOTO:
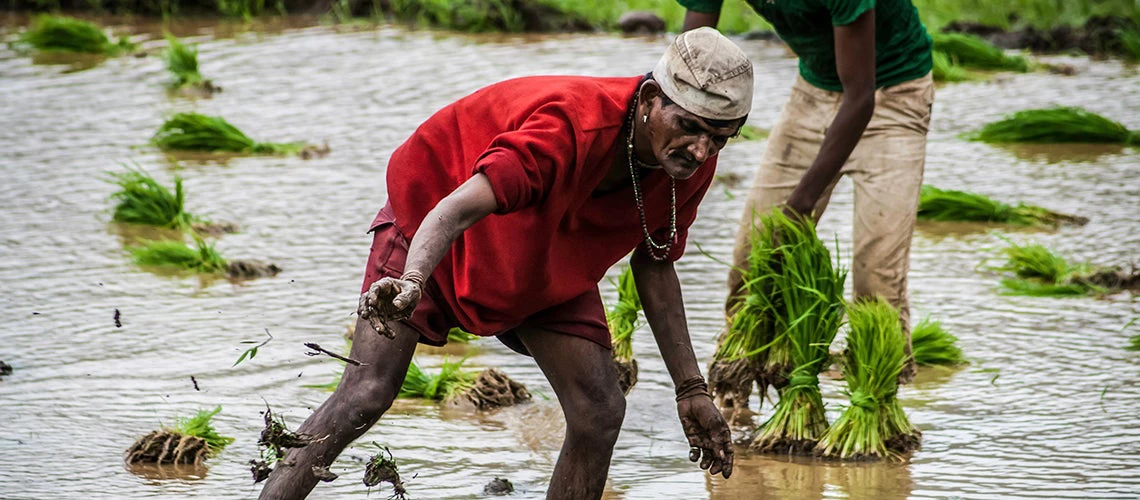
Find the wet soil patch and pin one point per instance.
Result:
(493, 389)
(382, 468)
(165, 447)
(250, 269)
(499, 486)
(215, 229)
(627, 374)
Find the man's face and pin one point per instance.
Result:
(682, 141)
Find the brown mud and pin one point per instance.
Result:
(499, 486)
(314, 151)
(381, 469)
(783, 446)
(905, 443)
(275, 437)
(166, 447)
(322, 473)
(215, 229)
(1099, 36)
(260, 470)
(203, 90)
(1113, 279)
(5, 369)
(250, 269)
(731, 385)
(493, 389)
(627, 374)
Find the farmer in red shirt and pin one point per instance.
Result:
(505, 209)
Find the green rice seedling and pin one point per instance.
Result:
(202, 258)
(68, 34)
(933, 345)
(809, 312)
(946, 71)
(1055, 125)
(623, 321)
(742, 351)
(970, 51)
(143, 200)
(444, 385)
(751, 133)
(200, 426)
(460, 336)
(1037, 271)
(1133, 343)
(1129, 44)
(197, 132)
(874, 425)
(182, 62)
(952, 205)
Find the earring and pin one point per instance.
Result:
(645, 118)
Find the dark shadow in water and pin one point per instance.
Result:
(1063, 153)
(761, 476)
(938, 230)
(74, 61)
(156, 473)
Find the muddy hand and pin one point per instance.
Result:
(388, 299)
(710, 440)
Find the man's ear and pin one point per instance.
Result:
(649, 91)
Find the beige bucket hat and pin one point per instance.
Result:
(707, 75)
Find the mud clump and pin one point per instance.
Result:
(275, 438)
(627, 374)
(215, 229)
(5, 368)
(323, 473)
(493, 389)
(641, 22)
(313, 151)
(381, 469)
(249, 269)
(731, 385)
(260, 470)
(1100, 36)
(499, 486)
(165, 447)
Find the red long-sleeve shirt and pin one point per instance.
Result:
(545, 143)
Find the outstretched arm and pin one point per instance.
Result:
(705, 428)
(391, 298)
(855, 63)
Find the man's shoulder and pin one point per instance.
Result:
(595, 102)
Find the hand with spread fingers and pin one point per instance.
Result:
(390, 299)
(710, 439)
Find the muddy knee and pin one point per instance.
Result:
(363, 402)
(598, 422)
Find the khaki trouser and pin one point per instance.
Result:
(886, 167)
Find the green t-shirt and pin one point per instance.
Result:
(902, 46)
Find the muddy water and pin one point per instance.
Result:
(1046, 409)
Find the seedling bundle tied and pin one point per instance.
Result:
(622, 319)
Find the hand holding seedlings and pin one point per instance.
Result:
(709, 438)
(390, 299)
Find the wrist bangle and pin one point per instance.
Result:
(693, 386)
(415, 277)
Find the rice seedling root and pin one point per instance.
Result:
(627, 374)
(260, 470)
(1110, 279)
(493, 389)
(499, 486)
(275, 437)
(383, 469)
(167, 447)
(731, 384)
(249, 269)
(215, 229)
(314, 151)
(5, 368)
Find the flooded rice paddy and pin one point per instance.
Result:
(1048, 407)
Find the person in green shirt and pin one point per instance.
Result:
(860, 106)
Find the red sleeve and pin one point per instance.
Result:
(686, 214)
(523, 164)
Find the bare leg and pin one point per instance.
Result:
(583, 377)
(364, 394)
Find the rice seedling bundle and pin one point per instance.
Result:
(182, 62)
(622, 319)
(67, 34)
(1055, 125)
(460, 336)
(933, 345)
(807, 297)
(742, 352)
(1037, 271)
(197, 132)
(191, 441)
(972, 52)
(484, 390)
(946, 71)
(143, 200)
(952, 205)
(202, 258)
(874, 425)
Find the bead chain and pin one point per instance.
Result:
(650, 244)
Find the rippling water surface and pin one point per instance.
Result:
(1046, 409)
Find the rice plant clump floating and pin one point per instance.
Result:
(1037, 271)
(623, 321)
(1055, 125)
(198, 132)
(874, 425)
(484, 390)
(951, 205)
(182, 62)
(191, 441)
(807, 304)
(969, 51)
(202, 258)
(945, 70)
(932, 345)
(67, 34)
(383, 469)
(143, 200)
